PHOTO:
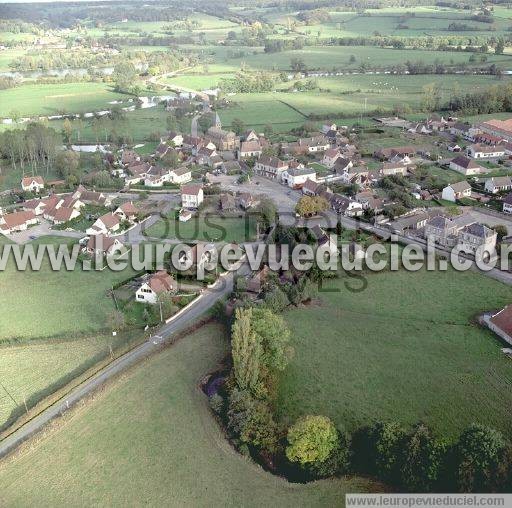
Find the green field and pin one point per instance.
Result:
(406, 348)
(45, 303)
(148, 439)
(28, 100)
(212, 228)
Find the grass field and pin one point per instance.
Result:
(405, 349)
(55, 99)
(45, 303)
(149, 439)
(213, 228)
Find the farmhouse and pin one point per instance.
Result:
(330, 157)
(498, 184)
(345, 206)
(127, 211)
(101, 245)
(507, 203)
(370, 201)
(342, 165)
(465, 131)
(480, 151)
(17, 221)
(61, 214)
(310, 187)
(91, 197)
(393, 168)
(191, 196)
(154, 286)
(389, 153)
(456, 191)
(108, 223)
(32, 184)
(465, 165)
(501, 323)
(246, 200)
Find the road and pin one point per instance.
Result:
(201, 305)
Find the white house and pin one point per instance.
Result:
(17, 221)
(103, 245)
(498, 184)
(181, 175)
(507, 203)
(249, 149)
(108, 223)
(32, 184)
(295, 178)
(154, 286)
(456, 191)
(271, 167)
(197, 256)
(191, 196)
(480, 151)
(477, 236)
(465, 166)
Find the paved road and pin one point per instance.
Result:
(202, 304)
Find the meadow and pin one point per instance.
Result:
(406, 348)
(45, 303)
(32, 99)
(149, 437)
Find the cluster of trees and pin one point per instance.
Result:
(249, 82)
(494, 99)
(278, 45)
(314, 17)
(35, 146)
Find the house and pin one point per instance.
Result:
(32, 184)
(127, 211)
(154, 286)
(191, 196)
(101, 245)
(181, 175)
(246, 200)
(498, 184)
(249, 149)
(454, 148)
(477, 236)
(354, 175)
(330, 157)
(323, 239)
(413, 221)
(441, 230)
(342, 165)
(156, 177)
(507, 203)
(34, 205)
(309, 187)
(17, 221)
(465, 131)
(389, 153)
(129, 157)
(270, 167)
(173, 138)
(456, 191)
(185, 215)
(108, 223)
(499, 128)
(393, 168)
(62, 214)
(161, 150)
(231, 167)
(327, 127)
(197, 256)
(250, 135)
(91, 197)
(344, 205)
(257, 282)
(315, 144)
(501, 323)
(137, 172)
(370, 201)
(295, 178)
(465, 165)
(479, 151)
(227, 202)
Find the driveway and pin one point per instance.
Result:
(40, 230)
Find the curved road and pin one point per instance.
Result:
(203, 303)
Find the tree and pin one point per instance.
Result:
(501, 231)
(116, 320)
(67, 130)
(268, 130)
(431, 97)
(246, 352)
(67, 163)
(352, 59)
(311, 440)
(205, 122)
(274, 335)
(311, 205)
(171, 122)
(478, 453)
(252, 420)
(267, 210)
(500, 46)
(124, 76)
(297, 64)
(422, 460)
(238, 126)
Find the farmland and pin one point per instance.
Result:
(405, 348)
(167, 443)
